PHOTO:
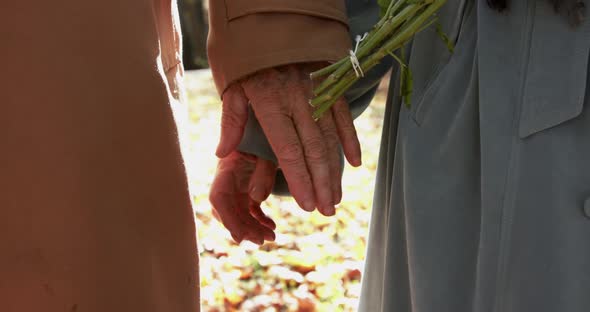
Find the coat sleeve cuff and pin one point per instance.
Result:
(247, 36)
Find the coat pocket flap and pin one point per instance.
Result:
(331, 9)
(430, 56)
(556, 78)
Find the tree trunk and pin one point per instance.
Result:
(193, 20)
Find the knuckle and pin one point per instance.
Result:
(238, 107)
(231, 120)
(330, 135)
(343, 118)
(270, 92)
(254, 211)
(269, 104)
(292, 87)
(329, 128)
(349, 131)
(214, 199)
(346, 126)
(262, 80)
(315, 149)
(290, 153)
(271, 113)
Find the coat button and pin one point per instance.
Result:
(587, 207)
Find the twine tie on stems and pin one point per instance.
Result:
(356, 65)
(400, 22)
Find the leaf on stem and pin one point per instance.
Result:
(406, 78)
(444, 37)
(408, 83)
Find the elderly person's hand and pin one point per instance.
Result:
(241, 183)
(307, 151)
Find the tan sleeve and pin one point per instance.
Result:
(246, 36)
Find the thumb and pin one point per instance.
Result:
(234, 116)
(262, 180)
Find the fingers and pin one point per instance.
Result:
(229, 197)
(330, 134)
(260, 187)
(308, 152)
(315, 151)
(237, 219)
(262, 180)
(257, 232)
(268, 101)
(234, 116)
(216, 215)
(347, 132)
(259, 215)
(223, 201)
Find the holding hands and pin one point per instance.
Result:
(308, 151)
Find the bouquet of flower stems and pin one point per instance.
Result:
(400, 21)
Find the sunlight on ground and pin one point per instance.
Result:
(315, 263)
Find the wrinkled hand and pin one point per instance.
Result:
(241, 183)
(307, 151)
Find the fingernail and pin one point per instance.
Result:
(357, 162)
(237, 239)
(308, 205)
(220, 152)
(270, 224)
(337, 197)
(257, 194)
(330, 211)
(270, 236)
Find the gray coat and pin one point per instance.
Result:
(482, 201)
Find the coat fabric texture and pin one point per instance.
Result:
(482, 200)
(95, 213)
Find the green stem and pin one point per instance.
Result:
(326, 105)
(328, 69)
(396, 41)
(380, 35)
(434, 20)
(332, 67)
(333, 93)
(409, 30)
(397, 6)
(401, 63)
(407, 13)
(320, 99)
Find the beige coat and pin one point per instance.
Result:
(94, 209)
(249, 35)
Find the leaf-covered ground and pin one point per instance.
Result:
(315, 263)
